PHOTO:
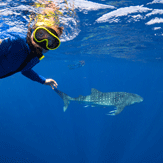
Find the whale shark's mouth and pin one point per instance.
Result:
(141, 99)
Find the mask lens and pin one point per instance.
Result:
(53, 43)
(40, 34)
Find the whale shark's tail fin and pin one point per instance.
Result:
(65, 97)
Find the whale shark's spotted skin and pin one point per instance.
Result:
(97, 98)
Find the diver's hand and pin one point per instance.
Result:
(51, 83)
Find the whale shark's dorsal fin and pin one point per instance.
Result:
(93, 90)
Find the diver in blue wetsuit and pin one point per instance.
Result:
(20, 53)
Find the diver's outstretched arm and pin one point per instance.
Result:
(35, 77)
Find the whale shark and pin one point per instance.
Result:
(103, 99)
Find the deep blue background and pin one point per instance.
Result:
(34, 127)
(118, 58)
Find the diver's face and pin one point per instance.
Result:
(43, 50)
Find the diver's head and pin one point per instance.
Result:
(46, 38)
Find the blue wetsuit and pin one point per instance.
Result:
(14, 57)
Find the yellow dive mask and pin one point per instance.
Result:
(46, 38)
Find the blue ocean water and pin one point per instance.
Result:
(121, 53)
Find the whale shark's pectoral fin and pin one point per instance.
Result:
(116, 110)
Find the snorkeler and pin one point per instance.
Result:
(20, 53)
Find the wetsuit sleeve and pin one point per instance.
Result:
(34, 76)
